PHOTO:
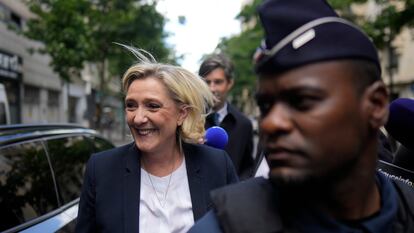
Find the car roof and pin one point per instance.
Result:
(22, 132)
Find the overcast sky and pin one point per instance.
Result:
(206, 22)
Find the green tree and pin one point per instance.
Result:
(383, 27)
(241, 48)
(61, 26)
(391, 17)
(75, 32)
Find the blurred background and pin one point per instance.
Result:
(58, 62)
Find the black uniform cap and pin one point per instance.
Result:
(299, 32)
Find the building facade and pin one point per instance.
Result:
(397, 58)
(35, 93)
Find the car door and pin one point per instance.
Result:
(41, 180)
(27, 189)
(69, 155)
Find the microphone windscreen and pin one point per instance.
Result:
(404, 158)
(400, 123)
(216, 137)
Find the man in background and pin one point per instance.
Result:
(217, 71)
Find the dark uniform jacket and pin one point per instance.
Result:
(259, 210)
(240, 145)
(110, 195)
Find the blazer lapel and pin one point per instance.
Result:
(195, 181)
(131, 189)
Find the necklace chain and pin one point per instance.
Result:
(164, 200)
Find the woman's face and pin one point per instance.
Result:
(152, 115)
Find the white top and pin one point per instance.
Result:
(222, 113)
(173, 216)
(263, 169)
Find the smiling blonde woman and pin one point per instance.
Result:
(161, 181)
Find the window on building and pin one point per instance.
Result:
(13, 96)
(31, 111)
(53, 114)
(53, 98)
(3, 118)
(15, 20)
(31, 95)
(4, 13)
(73, 103)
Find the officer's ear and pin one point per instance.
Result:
(376, 104)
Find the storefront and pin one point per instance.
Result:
(11, 77)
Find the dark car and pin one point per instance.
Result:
(41, 173)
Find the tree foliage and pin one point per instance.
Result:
(79, 31)
(76, 32)
(240, 49)
(61, 26)
(391, 17)
(385, 24)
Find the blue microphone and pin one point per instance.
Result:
(400, 123)
(216, 137)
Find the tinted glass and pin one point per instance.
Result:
(3, 119)
(26, 184)
(69, 156)
(101, 144)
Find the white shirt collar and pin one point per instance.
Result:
(222, 112)
(176, 216)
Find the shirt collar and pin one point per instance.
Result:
(222, 112)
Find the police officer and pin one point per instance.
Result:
(322, 104)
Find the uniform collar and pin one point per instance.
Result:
(381, 222)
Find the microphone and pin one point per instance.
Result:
(404, 157)
(400, 123)
(216, 137)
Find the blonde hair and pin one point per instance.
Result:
(185, 88)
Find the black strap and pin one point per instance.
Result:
(237, 213)
(406, 195)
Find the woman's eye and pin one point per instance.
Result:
(153, 106)
(130, 105)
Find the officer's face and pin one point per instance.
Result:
(313, 124)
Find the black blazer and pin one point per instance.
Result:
(240, 145)
(110, 195)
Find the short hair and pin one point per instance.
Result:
(216, 61)
(184, 87)
(364, 73)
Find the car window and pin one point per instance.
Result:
(101, 144)
(26, 184)
(3, 119)
(69, 156)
